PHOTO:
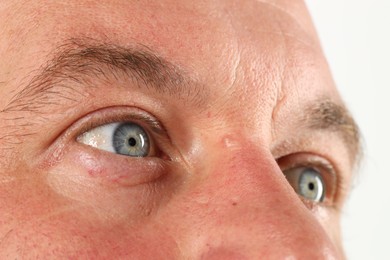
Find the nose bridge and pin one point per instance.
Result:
(243, 206)
(239, 169)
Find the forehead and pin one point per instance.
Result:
(254, 51)
(250, 56)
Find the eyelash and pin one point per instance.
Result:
(149, 123)
(322, 165)
(161, 139)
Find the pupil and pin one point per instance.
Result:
(311, 186)
(132, 141)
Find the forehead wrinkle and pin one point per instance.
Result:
(83, 60)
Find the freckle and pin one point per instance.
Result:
(148, 212)
(234, 201)
(91, 172)
(96, 172)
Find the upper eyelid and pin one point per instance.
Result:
(312, 160)
(133, 114)
(320, 163)
(318, 166)
(159, 136)
(59, 141)
(332, 159)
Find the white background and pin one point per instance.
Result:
(355, 35)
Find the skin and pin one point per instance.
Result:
(214, 188)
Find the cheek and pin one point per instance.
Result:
(69, 237)
(330, 220)
(107, 187)
(62, 212)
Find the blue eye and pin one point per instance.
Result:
(128, 139)
(307, 182)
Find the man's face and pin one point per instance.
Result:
(169, 129)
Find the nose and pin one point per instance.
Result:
(241, 207)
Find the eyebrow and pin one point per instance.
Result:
(325, 114)
(82, 62)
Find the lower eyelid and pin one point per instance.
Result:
(114, 187)
(117, 170)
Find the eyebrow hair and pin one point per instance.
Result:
(327, 115)
(80, 61)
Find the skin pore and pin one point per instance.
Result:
(235, 99)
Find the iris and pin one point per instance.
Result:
(307, 182)
(311, 185)
(131, 139)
